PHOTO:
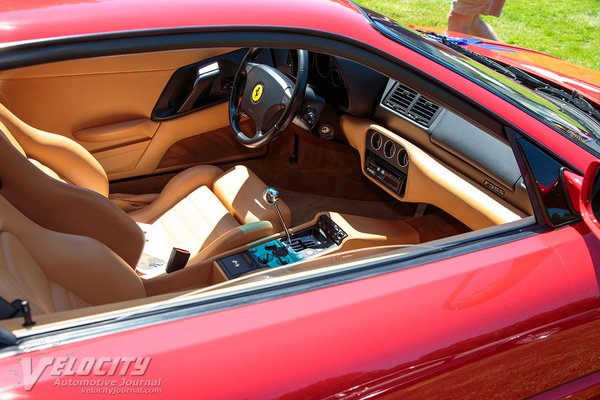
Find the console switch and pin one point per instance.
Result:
(237, 265)
(331, 229)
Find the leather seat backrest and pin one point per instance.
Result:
(65, 208)
(62, 155)
(57, 271)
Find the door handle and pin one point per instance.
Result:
(205, 77)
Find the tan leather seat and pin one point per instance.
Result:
(207, 211)
(56, 271)
(202, 209)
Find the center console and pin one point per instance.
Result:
(386, 161)
(309, 242)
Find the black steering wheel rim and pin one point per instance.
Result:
(290, 107)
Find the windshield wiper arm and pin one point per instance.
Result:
(510, 71)
(573, 98)
(524, 77)
(472, 55)
(518, 75)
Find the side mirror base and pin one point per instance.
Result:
(589, 200)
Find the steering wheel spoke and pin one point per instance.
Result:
(269, 98)
(258, 123)
(248, 67)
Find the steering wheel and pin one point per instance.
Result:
(268, 97)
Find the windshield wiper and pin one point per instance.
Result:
(573, 98)
(454, 45)
(516, 74)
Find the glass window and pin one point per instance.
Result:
(547, 174)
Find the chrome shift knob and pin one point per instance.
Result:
(271, 196)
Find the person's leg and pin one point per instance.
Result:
(481, 29)
(460, 22)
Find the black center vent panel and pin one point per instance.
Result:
(412, 105)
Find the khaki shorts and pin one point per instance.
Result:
(477, 7)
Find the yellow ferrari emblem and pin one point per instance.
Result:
(257, 92)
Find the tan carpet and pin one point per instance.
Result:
(305, 206)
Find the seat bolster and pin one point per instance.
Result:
(78, 264)
(61, 207)
(176, 190)
(86, 268)
(234, 238)
(48, 171)
(21, 276)
(241, 192)
(62, 154)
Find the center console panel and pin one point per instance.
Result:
(386, 161)
(309, 242)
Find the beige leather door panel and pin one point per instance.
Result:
(114, 135)
(121, 161)
(106, 103)
(119, 146)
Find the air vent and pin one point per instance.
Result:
(424, 110)
(412, 105)
(401, 98)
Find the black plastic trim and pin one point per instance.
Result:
(537, 202)
(492, 156)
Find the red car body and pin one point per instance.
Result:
(511, 320)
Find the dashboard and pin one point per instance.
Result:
(482, 158)
(340, 88)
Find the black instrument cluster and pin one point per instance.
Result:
(325, 74)
(351, 87)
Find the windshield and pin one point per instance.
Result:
(583, 131)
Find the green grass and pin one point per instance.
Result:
(568, 29)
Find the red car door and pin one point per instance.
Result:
(511, 320)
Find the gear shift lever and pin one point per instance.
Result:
(271, 197)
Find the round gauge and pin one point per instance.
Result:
(389, 149)
(402, 157)
(336, 78)
(323, 64)
(376, 141)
